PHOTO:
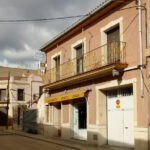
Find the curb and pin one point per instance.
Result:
(47, 140)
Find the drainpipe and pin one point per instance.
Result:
(141, 49)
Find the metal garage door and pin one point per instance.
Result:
(120, 117)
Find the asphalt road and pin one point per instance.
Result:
(14, 142)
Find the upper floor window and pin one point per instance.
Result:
(79, 59)
(112, 41)
(3, 95)
(57, 67)
(78, 50)
(20, 93)
(113, 45)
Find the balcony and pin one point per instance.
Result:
(95, 63)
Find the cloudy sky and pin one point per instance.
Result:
(19, 41)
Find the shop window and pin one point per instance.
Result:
(20, 93)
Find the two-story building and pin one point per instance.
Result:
(97, 77)
(23, 85)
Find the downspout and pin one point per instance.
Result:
(141, 64)
(141, 49)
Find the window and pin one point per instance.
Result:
(47, 113)
(57, 67)
(3, 96)
(112, 93)
(20, 94)
(111, 35)
(78, 50)
(127, 91)
(79, 60)
(113, 45)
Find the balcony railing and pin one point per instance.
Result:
(107, 54)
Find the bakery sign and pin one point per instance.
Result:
(65, 97)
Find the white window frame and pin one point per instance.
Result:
(53, 60)
(73, 52)
(103, 32)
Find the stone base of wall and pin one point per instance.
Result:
(66, 132)
(141, 138)
(17, 127)
(96, 135)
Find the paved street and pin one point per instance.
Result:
(14, 142)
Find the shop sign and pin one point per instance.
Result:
(66, 97)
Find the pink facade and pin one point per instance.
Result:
(93, 34)
(35, 83)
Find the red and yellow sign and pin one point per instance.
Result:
(117, 103)
(65, 97)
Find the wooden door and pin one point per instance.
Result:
(113, 45)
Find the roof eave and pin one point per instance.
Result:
(80, 21)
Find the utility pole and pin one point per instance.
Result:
(7, 107)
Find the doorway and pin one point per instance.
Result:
(120, 117)
(80, 120)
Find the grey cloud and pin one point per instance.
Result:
(14, 36)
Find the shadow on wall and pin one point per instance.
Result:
(3, 118)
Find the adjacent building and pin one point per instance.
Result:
(23, 85)
(97, 77)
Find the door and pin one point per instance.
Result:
(113, 45)
(120, 117)
(80, 121)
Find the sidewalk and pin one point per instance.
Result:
(75, 144)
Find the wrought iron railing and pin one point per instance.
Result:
(107, 54)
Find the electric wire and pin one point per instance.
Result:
(57, 18)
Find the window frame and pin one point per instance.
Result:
(74, 54)
(103, 32)
(23, 97)
(53, 57)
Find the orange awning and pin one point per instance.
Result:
(65, 97)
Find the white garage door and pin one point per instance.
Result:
(120, 117)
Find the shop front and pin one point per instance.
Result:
(60, 110)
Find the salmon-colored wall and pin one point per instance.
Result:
(65, 112)
(93, 36)
(93, 40)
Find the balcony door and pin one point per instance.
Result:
(57, 67)
(79, 60)
(113, 45)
